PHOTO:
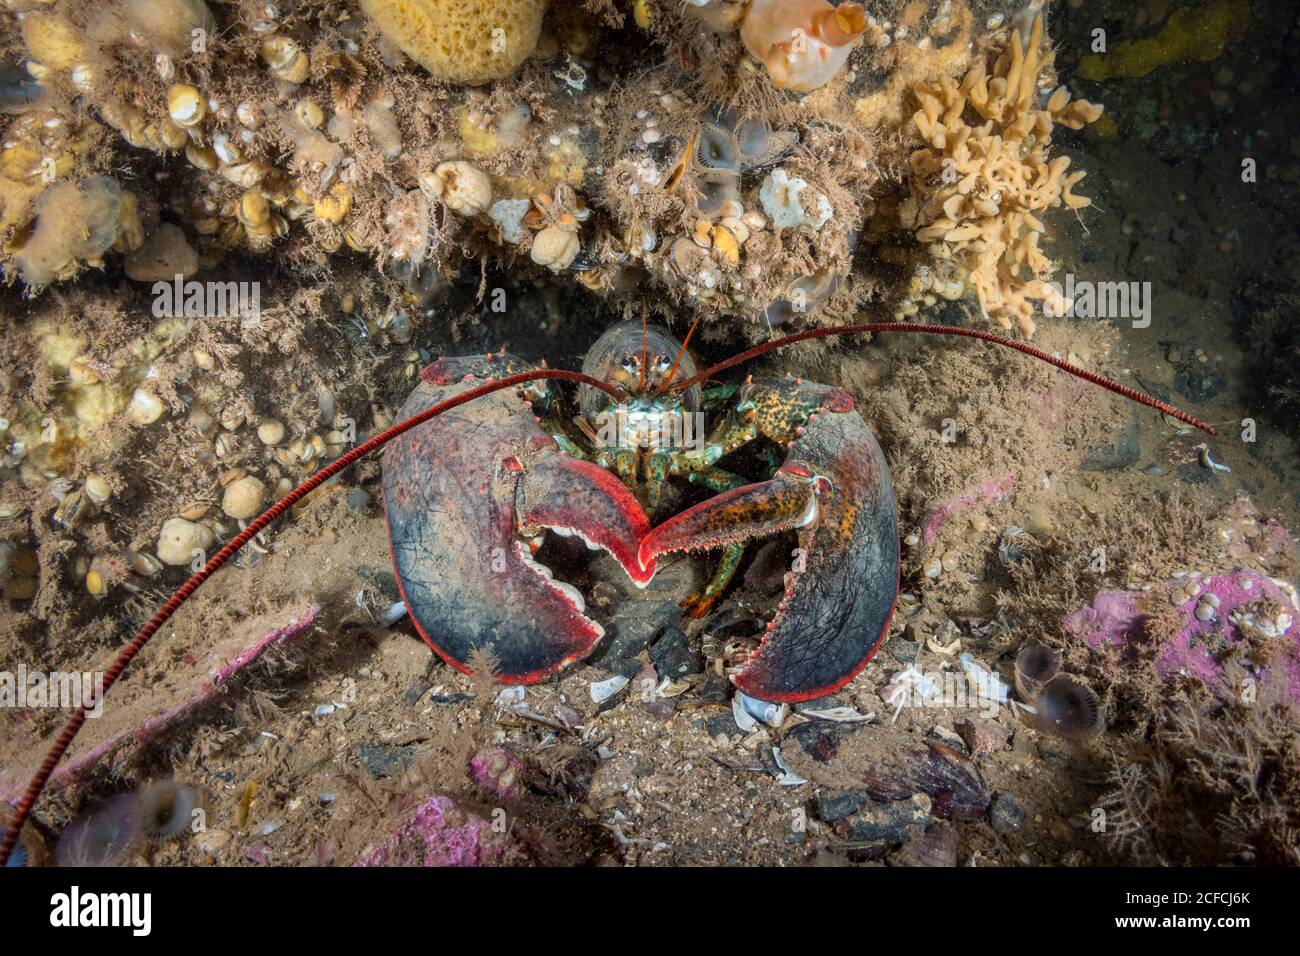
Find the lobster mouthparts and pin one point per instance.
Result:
(464, 493)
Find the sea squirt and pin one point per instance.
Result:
(803, 43)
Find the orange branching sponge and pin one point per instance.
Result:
(803, 43)
(982, 188)
(470, 42)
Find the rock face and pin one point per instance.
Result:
(166, 253)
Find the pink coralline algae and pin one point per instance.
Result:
(1113, 619)
(438, 833)
(498, 772)
(988, 492)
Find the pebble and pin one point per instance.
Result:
(833, 807)
(179, 539)
(210, 841)
(243, 498)
(383, 761)
(892, 822)
(722, 725)
(1006, 814)
(672, 655)
(634, 628)
(271, 432)
(984, 736)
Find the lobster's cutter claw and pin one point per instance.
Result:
(834, 489)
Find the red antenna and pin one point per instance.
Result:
(680, 352)
(645, 346)
(955, 330)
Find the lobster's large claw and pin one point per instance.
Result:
(458, 491)
(835, 489)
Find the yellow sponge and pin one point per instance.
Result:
(462, 41)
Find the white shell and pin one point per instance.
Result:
(603, 690)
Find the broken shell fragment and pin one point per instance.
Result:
(603, 690)
(769, 713)
(788, 776)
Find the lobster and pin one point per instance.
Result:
(832, 488)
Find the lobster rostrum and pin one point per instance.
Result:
(470, 490)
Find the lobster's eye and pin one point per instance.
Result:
(628, 364)
(661, 362)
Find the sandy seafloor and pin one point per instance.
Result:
(317, 752)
